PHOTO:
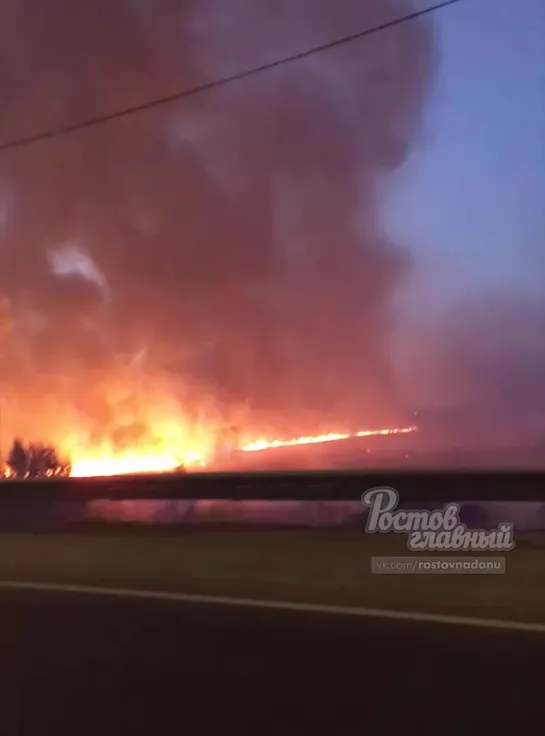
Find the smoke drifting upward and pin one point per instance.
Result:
(236, 234)
(488, 352)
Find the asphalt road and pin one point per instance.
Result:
(88, 665)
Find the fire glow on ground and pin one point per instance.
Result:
(148, 462)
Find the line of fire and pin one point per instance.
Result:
(32, 460)
(127, 419)
(144, 431)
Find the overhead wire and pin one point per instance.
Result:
(58, 132)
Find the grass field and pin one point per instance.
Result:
(321, 566)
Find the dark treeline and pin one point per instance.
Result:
(34, 460)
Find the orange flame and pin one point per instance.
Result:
(133, 463)
(110, 463)
(263, 444)
(127, 422)
(169, 448)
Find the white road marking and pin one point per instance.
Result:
(353, 611)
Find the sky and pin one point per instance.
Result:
(470, 200)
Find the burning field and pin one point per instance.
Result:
(188, 281)
(34, 460)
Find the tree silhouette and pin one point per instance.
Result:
(35, 461)
(18, 460)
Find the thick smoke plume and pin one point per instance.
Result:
(226, 249)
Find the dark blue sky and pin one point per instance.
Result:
(471, 201)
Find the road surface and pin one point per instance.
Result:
(79, 664)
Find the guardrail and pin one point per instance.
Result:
(414, 487)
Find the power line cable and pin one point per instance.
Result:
(205, 87)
